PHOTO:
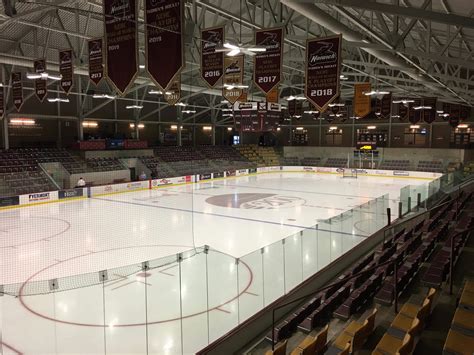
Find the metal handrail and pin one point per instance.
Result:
(313, 293)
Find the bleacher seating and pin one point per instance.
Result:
(104, 164)
(430, 166)
(336, 162)
(460, 339)
(289, 161)
(261, 156)
(388, 164)
(311, 161)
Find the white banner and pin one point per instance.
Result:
(38, 197)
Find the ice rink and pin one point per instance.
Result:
(162, 311)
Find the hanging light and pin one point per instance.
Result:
(403, 101)
(103, 96)
(140, 125)
(131, 107)
(422, 108)
(57, 99)
(336, 104)
(188, 111)
(291, 98)
(90, 124)
(376, 93)
(22, 121)
(44, 76)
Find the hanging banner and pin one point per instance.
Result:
(2, 102)
(173, 92)
(323, 59)
(429, 115)
(414, 116)
(96, 67)
(66, 71)
(362, 104)
(267, 65)
(121, 40)
(464, 112)
(292, 107)
(17, 90)
(212, 62)
(385, 106)
(402, 111)
(272, 95)
(164, 40)
(41, 90)
(233, 75)
(262, 114)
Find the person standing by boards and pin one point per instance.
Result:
(81, 182)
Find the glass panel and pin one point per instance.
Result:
(273, 272)
(293, 262)
(309, 241)
(194, 301)
(222, 293)
(324, 244)
(16, 325)
(163, 308)
(250, 284)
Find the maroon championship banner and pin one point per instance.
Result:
(96, 67)
(402, 111)
(429, 115)
(65, 69)
(173, 93)
(2, 102)
(383, 106)
(414, 116)
(261, 115)
(323, 59)
(41, 90)
(292, 107)
(267, 65)
(121, 39)
(212, 63)
(233, 75)
(17, 90)
(164, 40)
(464, 112)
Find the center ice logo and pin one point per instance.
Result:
(255, 201)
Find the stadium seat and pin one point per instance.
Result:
(280, 349)
(313, 345)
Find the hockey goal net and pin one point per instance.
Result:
(349, 173)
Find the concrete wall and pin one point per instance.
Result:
(100, 178)
(116, 153)
(414, 154)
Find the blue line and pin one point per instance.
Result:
(225, 216)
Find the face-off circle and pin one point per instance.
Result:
(120, 285)
(15, 232)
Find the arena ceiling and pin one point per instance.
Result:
(409, 47)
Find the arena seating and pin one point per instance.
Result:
(311, 161)
(289, 161)
(336, 162)
(460, 339)
(104, 164)
(395, 165)
(430, 166)
(261, 156)
(313, 345)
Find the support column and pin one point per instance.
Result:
(59, 141)
(6, 142)
(178, 129)
(80, 119)
(137, 131)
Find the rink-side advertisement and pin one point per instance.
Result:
(323, 59)
(164, 40)
(212, 62)
(121, 40)
(267, 64)
(41, 89)
(66, 70)
(96, 61)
